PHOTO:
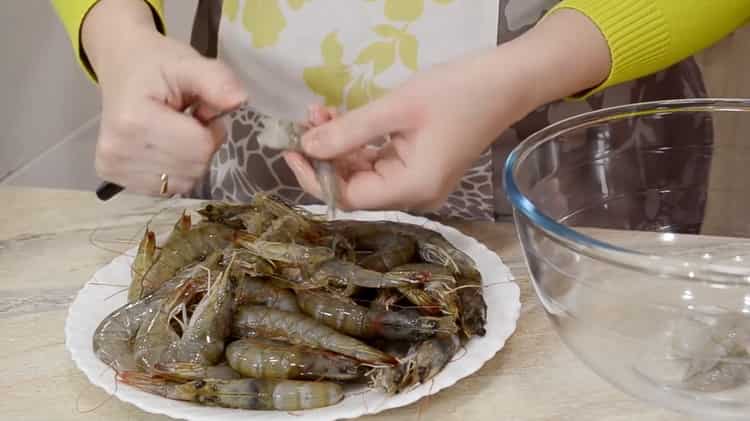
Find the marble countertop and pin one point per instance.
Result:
(52, 241)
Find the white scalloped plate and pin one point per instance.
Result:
(95, 301)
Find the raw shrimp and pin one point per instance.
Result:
(422, 362)
(256, 291)
(425, 273)
(114, 337)
(247, 263)
(436, 295)
(144, 258)
(389, 251)
(433, 247)
(341, 272)
(155, 337)
(292, 254)
(290, 224)
(299, 329)
(259, 394)
(269, 359)
(385, 299)
(185, 245)
(256, 222)
(202, 339)
(227, 214)
(193, 371)
(352, 319)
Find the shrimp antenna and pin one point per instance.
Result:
(102, 403)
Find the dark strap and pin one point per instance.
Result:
(205, 35)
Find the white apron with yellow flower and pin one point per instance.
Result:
(293, 53)
(344, 53)
(341, 53)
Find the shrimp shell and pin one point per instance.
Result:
(257, 291)
(341, 272)
(390, 251)
(299, 329)
(256, 394)
(264, 358)
(184, 246)
(193, 371)
(359, 321)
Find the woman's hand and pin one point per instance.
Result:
(147, 81)
(440, 121)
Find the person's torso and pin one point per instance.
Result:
(293, 53)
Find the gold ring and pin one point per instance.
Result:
(164, 183)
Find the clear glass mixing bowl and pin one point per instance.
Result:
(634, 222)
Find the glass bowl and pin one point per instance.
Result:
(635, 225)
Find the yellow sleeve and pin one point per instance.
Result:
(73, 12)
(646, 36)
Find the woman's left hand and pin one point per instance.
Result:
(440, 121)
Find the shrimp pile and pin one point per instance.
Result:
(268, 307)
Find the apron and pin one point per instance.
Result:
(292, 53)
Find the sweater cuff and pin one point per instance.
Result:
(157, 10)
(635, 31)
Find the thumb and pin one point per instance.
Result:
(209, 82)
(354, 129)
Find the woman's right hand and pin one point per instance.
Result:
(147, 81)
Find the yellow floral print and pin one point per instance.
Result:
(333, 80)
(406, 43)
(262, 18)
(363, 91)
(404, 10)
(341, 84)
(297, 4)
(407, 10)
(230, 9)
(330, 79)
(381, 54)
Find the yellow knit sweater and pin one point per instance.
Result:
(644, 36)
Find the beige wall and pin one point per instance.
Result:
(48, 109)
(44, 96)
